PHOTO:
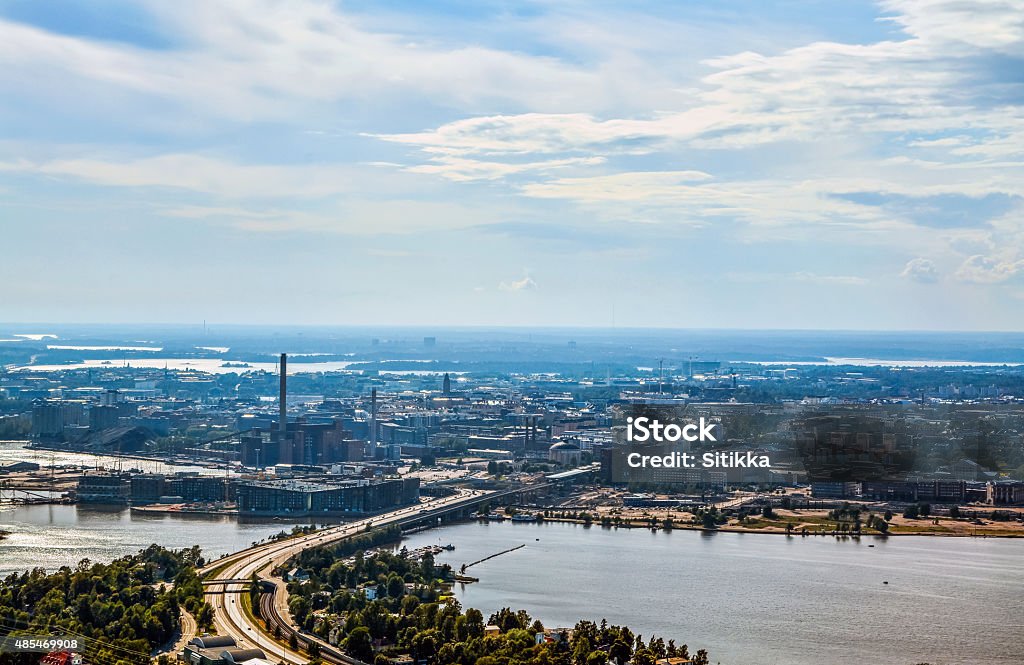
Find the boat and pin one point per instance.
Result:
(448, 548)
(495, 517)
(524, 517)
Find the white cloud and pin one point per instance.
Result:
(461, 169)
(929, 110)
(524, 284)
(266, 59)
(647, 186)
(801, 276)
(987, 24)
(920, 270)
(199, 173)
(987, 270)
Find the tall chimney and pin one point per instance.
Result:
(373, 421)
(282, 419)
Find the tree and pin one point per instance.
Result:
(254, 595)
(427, 567)
(620, 652)
(396, 587)
(204, 618)
(581, 651)
(359, 645)
(474, 622)
(643, 657)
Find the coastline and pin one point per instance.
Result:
(777, 531)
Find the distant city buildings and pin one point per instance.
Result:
(870, 433)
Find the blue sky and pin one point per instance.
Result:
(701, 164)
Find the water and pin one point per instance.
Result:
(15, 451)
(208, 365)
(877, 362)
(750, 599)
(55, 536)
(755, 599)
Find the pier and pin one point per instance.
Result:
(488, 558)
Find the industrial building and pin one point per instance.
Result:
(104, 488)
(306, 497)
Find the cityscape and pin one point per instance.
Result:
(378, 442)
(511, 332)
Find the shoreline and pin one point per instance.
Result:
(37, 446)
(779, 532)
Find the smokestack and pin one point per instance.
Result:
(282, 424)
(373, 420)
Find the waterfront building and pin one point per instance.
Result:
(1005, 493)
(147, 487)
(304, 497)
(104, 488)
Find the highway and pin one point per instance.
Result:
(228, 615)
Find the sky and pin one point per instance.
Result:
(718, 164)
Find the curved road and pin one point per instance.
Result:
(228, 615)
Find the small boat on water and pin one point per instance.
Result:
(495, 517)
(448, 548)
(524, 517)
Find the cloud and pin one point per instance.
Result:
(845, 280)
(920, 270)
(801, 276)
(264, 59)
(981, 269)
(647, 186)
(461, 169)
(524, 284)
(200, 173)
(989, 24)
(930, 113)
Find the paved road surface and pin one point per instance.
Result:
(228, 615)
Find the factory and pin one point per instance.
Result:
(316, 497)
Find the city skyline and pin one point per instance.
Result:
(581, 165)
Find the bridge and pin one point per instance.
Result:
(588, 472)
(234, 572)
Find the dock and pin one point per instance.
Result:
(488, 558)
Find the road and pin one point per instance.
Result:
(228, 615)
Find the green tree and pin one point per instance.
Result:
(620, 652)
(474, 623)
(396, 587)
(359, 644)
